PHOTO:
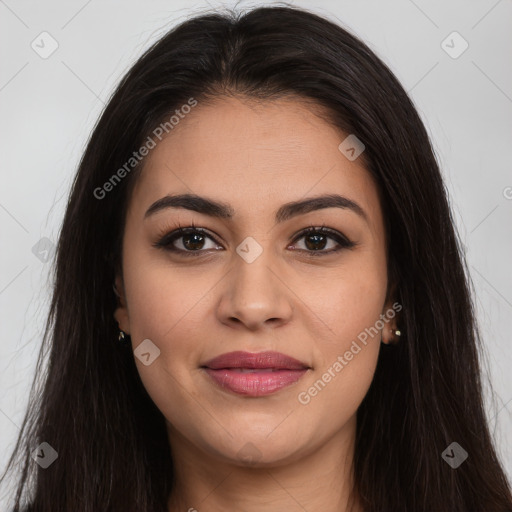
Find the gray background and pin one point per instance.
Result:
(48, 108)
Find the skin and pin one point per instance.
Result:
(256, 157)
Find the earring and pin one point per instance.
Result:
(396, 334)
(123, 337)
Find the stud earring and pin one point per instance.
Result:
(395, 336)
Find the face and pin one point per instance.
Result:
(249, 279)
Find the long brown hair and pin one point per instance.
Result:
(89, 403)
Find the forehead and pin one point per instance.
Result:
(255, 156)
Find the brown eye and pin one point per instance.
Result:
(317, 239)
(189, 241)
(316, 242)
(193, 241)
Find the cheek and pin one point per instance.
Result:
(162, 295)
(171, 306)
(347, 361)
(166, 311)
(351, 301)
(348, 355)
(172, 315)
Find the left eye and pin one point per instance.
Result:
(192, 241)
(316, 240)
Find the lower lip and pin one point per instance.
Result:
(258, 383)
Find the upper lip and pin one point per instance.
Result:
(269, 359)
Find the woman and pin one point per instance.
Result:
(260, 300)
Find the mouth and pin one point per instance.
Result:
(255, 361)
(254, 382)
(259, 374)
(254, 370)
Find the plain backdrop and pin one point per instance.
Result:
(48, 107)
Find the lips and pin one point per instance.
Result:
(260, 360)
(250, 374)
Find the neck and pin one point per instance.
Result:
(321, 479)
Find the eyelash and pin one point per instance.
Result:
(165, 242)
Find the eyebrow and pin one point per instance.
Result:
(225, 211)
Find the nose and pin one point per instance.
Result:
(254, 296)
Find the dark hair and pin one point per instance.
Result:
(113, 450)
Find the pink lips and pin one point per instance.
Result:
(257, 374)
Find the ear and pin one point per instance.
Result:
(391, 317)
(121, 313)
